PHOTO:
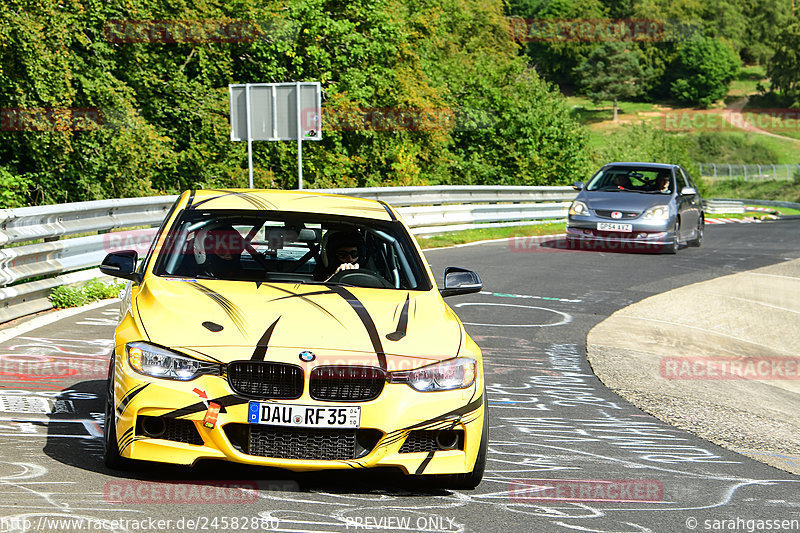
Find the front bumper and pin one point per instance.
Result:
(653, 236)
(386, 424)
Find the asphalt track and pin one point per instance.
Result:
(566, 454)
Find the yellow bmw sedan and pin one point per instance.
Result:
(296, 330)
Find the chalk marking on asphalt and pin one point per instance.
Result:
(565, 318)
(527, 296)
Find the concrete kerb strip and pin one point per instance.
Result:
(749, 316)
(49, 318)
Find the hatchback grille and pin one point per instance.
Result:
(303, 443)
(347, 383)
(261, 379)
(626, 215)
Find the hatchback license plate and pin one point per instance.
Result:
(611, 226)
(304, 416)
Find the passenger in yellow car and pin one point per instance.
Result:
(343, 251)
(223, 249)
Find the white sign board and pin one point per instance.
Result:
(275, 111)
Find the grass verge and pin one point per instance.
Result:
(474, 235)
(69, 296)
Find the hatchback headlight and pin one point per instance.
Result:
(659, 212)
(578, 208)
(456, 373)
(159, 362)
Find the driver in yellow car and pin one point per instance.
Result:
(343, 251)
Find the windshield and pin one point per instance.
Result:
(292, 248)
(632, 179)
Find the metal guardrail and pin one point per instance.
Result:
(60, 261)
(718, 205)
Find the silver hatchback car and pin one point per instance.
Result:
(637, 207)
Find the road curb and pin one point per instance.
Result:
(748, 316)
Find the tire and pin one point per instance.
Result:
(111, 455)
(673, 248)
(698, 236)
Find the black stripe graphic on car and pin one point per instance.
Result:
(402, 324)
(128, 397)
(199, 407)
(463, 410)
(424, 463)
(263, 343)
(255, 201)
(303, 296)
(367, 321)
(230, 308)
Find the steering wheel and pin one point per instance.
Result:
(361, 278)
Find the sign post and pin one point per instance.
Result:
(276, 112)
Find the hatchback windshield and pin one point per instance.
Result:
(290, 247)
(632, 179)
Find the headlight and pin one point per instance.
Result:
(456, 373)
(161, 363)
(578, 208)
(659, 212)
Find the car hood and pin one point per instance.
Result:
(249, 316)
(623, 201)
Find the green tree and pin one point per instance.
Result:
(549, 31)
(612, 71)
(784, 67)
(703, 71)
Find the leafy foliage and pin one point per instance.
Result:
(703, 71)
(69, 296)
(159, 108)
(612, 71)
(784, 67)
(646, 143)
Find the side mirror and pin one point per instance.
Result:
(578, 185)
(459, 280)
(688, 191)
(122, 264)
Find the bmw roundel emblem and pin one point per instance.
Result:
(307, 356)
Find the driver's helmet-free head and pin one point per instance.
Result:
(343, 239)
(219, 250)
(622, 180)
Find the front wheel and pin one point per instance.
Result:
(673, 248)
(698, 234)
(111, 457)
